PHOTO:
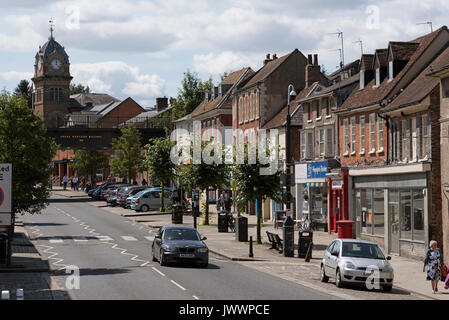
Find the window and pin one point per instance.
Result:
(390, 70)
(414, 140)
(353, 135)
(418, 215)
(309, 111)
(406, 214)
(330, 142)
(380, 133)
(240, 110)
(362, 79)
(318, 110)
(404, 140)
(256, 104)
(322, 142)
(310, 142)
(378, 221)
(346, 136)
(247, 108)
(52, 94)
(425, 136)
(328, 108)
(377, 77)
(303, 145)
(252, 107)
(372, 132)
(366, 202)
(362, 134)
(315, 109)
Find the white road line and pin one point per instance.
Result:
(178, 285)
(149, 238)
(80, 239)
(196, 298)
(129, 238)
(104, 238)
(56, 241)
(161, 273)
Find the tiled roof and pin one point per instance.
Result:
(93, 98)
(381, 54)
(421, 86)
(52, 46)
(367, 61)
(402, 50)
(343, 83)
(267, 69)
(279, 119)
(369, 95)
(354, 64)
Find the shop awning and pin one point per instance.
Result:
(315, 184)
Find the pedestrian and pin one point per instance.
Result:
(135, 183)
(433, 261)
(220, 201)
(144, 182)
(64, 182)
(71, 182)
(75, 183)
(83, 181)
(124, 180)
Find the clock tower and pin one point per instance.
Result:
(52, 82)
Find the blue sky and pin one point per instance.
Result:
(141, 48)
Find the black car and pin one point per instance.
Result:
(180, 244)
(96, 193)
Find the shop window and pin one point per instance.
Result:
(406, 214)
(378, 221)
(366, 201)
(418, 215)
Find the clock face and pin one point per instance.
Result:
(56, 64)
(39, 65)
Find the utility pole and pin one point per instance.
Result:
(361, 46)
(291, 95)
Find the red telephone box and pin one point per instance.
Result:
(338, 199)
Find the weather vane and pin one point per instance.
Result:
(51, 27)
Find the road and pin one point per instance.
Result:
(114, 260)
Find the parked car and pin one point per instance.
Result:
(126, 192)
(112, 195)
(97, 191)
(151, 200)
(179, 244)
(353, 261)
(108, 191)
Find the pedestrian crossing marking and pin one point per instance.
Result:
(104, 238)
(149, 238)
(56, 241)
(80, 239)
(129, 238)
(98, 238)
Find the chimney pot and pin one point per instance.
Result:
(309, 59)
(275, 56)
(315, 59)
(268, 56)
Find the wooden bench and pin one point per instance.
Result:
(276, 241)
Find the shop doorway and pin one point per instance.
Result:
(393, 208)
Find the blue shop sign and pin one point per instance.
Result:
(317, 169)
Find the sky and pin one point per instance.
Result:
(141, 49)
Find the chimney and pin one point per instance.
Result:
(267, 59)
(161, 103)
(309, 59)
(172, 101)
(313, 71)
(275, 56)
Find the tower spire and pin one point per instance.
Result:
(51, 29)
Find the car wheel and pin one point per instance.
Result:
(144, 208)
(323, 276)
(338, 281)
(162, 261)
(205, 265)
(387, 288)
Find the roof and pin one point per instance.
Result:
(341, 84)
(370, 96)
(94, 98)
(382, 55)
(421, 86)
(50, 47)
(279, 119)
(367, 61)
(353, 64)
(267, 69)
(402, 50)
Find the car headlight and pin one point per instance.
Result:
(168, 248)
(350, 265)
(202, 250)
(388, 268)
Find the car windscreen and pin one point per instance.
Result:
(181, 234)
(362, 250)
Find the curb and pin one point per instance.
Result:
(416, 293)
(235, 258)
(24, 270)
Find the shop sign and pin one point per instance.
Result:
(337, 184)
(317, 169)
(5, 187)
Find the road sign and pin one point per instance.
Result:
(5, 191)
(5, 219)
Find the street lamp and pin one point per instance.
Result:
(291, 95)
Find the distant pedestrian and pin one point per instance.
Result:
(433, 261)
(144, 182)
(75, 183)
(64, 182)
(83, 183)
(135, 183)
(124, 180)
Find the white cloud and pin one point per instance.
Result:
(224, 62)
(16, 75)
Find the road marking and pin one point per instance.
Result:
(80, 239)
(150, 238)
(196, 298)
(104, 238)
(178, 285)
(161, 273)
(56, 241)
(129, 238)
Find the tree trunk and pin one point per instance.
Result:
(259, 220)
(206, 214)
(162, 198)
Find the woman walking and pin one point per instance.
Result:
(433, 262)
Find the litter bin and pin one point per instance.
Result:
(222, 221)
(177, 213)
(344, 229)
(241, 229)
(305, 239)
(3, 247)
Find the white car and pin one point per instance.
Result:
(354, 261)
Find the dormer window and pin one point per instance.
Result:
(377, 77)
(390, 71)
(362, 79)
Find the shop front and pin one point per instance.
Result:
(393, 210)
(338, 197)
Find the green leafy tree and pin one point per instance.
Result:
(88, 162)
(79, 88)
(191, 94)
(252, 185)
(158, 162)
(128, 151)
(23, 144)
(23, 90)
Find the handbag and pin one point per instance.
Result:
(443, 272)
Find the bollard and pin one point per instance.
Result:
(19, 294)
(251, 247)
(5, 294)
(309, 253)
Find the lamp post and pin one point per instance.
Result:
(291, 96)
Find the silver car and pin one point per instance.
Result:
(354, 261)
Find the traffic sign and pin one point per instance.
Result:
(5, 190)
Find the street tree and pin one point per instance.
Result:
(158, 163)
(23, 89)
(78, 88)
(191, 93)
(252, 185)
(23, 144)
(88, 162)
(128, 153)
